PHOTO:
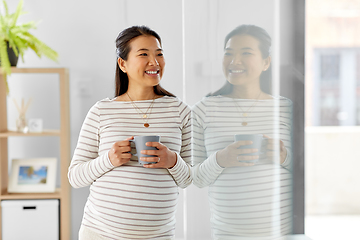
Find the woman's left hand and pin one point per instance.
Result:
(165, 158)
(271, 151)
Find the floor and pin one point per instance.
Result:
(332, 227)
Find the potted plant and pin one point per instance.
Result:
(15, 39)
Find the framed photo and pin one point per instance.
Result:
(37, 175)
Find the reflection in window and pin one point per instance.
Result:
(329, 90)
(329, 105)
(330, 68)
(338, 84)
(358, 69)
(358, 89)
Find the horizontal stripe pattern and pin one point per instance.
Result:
(245, 202)
(130, 201)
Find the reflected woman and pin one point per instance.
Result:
(250, 189)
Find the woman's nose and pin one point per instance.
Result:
(153, 61)
(236, 59)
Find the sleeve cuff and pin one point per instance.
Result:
(286, 159)
(215, 163)
(178, 164)
(108, 163)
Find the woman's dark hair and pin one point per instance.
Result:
(122, 50)
(265, 47)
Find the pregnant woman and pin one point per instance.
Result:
(128, 200)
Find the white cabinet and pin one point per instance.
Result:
(30, 219)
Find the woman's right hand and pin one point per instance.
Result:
(119, 153)
(233, 155)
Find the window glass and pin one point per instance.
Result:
(330, 68)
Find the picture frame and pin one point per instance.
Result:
(36, 175)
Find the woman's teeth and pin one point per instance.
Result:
(151, 72)
(237, 71)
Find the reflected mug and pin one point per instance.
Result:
(140, 144)
(257, 140)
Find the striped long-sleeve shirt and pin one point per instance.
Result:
(245, 202)
(130, 201)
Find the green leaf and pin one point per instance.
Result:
(6, 8)
(17, 13)
(41, 48)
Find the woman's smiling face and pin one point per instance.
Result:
(145, 63)
(243, 62)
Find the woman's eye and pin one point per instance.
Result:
(160, 54)
(246, 53)
(228, 54)
(143, 54)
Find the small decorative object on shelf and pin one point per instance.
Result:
(35, 125)
(21, 122)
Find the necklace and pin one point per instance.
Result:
(245, 114)
(145, 116)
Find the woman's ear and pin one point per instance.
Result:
(267, 62)
(122, 64)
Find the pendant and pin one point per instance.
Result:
(144, 116)
(146, 125)
(244, 123)
(245, 114)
